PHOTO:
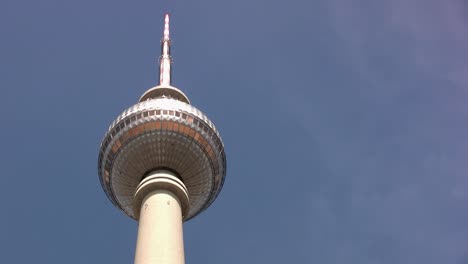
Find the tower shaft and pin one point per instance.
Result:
(160, 235)
(160, 232)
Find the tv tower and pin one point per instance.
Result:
(162, 162)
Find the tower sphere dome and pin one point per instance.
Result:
(162, 133)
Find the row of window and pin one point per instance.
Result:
(198, 123)
(126, 122)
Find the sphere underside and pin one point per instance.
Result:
(162, 133)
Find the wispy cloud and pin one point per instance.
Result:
(391, 129)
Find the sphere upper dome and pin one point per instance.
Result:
(162, 133)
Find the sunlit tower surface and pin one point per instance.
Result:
(162, 162)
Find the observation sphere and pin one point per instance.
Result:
(162, 131)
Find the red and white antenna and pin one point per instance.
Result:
(165, 60)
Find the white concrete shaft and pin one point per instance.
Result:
(160, 235)
(162, 200)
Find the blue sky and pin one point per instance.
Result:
(344, 122)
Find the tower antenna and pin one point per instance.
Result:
(165, 59)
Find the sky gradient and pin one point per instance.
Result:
(344, 122)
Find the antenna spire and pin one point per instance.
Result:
(165, 60)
